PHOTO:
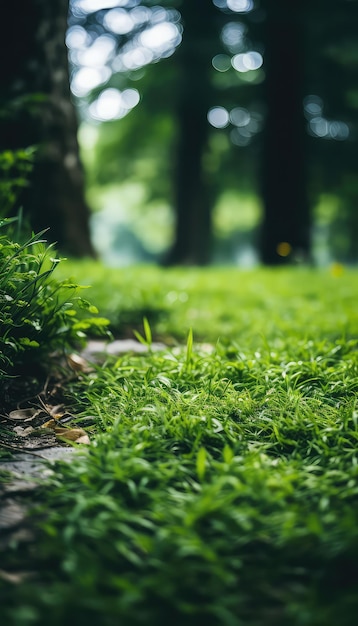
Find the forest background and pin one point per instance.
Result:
(217, 131)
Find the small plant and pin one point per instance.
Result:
(146, 340)
(38, 314)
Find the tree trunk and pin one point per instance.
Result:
(192, 201)
(286, 225)
(35, 84)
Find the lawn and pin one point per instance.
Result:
(220, 487)
(243, 307)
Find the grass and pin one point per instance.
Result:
(237, 306)
(221, 484)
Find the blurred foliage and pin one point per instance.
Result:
(244, 306)
(15, 168)
(140, 146)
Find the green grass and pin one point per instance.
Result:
(221, 484)
(235, 305)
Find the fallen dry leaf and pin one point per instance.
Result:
(78, 363)
(52, 424)
(84, 439)
(24, 415)
(77, 435)
(23, 432)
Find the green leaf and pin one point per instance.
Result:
(30, 343)
(228, 454)
(139, 337)
(189, 347)
(147, 339)
(147, 331)
(201, 463)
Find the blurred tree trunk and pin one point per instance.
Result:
(350, 193)
(192, 201)
(39, 111)
(284, 185)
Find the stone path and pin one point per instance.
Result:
(27, 469)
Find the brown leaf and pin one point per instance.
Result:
(84, 439)
(55, 411)
(24, 415)
(71, 434)
(50, 424)
(78, 363)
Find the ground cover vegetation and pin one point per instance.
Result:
(220, 486)
(244, 306)
(39, 314)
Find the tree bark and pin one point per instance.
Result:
(39, 111)
(285, 233)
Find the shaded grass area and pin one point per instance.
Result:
(221, 486)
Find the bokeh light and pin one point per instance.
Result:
(313, 106)
(113, 104)
(240, 6)
(119, 21)
(221, 62)
(134, 58)
(247, 61)
(233, 36)
(160, 37)
(326, 129)
(99, 53)
(141, 15)
(337, 270)
(318, 125)
(284, 249)
(87, 78)
(95, 56)
(240, 116)
(218, 117)
(236, 6)
(77, 37)
(90, 6)
(240, 138)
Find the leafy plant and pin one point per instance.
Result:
(38, 314)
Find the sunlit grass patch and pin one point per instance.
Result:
(245, 306)
(221, 483)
